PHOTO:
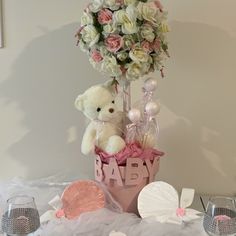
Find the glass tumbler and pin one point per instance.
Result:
(21, 216)
(220, 216)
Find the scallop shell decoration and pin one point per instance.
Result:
(82, 196)
(161, 201)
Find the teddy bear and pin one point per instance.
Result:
(105, 129)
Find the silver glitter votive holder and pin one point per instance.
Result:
(21, 216)
(220, 217)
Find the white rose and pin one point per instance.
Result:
(131, 12)
(110, 66)
(158, 61)
(112, 4)
(122, 55)
(96, 5)
(86, 19)
(127, 19)
(136, 70)
(129, 27)
(104, 52)
(128, 41)
(147, 32)
(129, 2)
(110, 29)
(138, 54)
(149, 12)
(90, 35)
(119, 16)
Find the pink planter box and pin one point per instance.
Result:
(125, 182)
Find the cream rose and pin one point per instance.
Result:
(90, 35)
(129, 2)
(149, 12)
(96, 5)
(109, 29)
(129, 27)
(103, 50)
(147, 32)
(122, 55)
(158, 61)
(128, 41)
(138, 54)
(127, 19)
(136, 70)
(112, 4)
(164, 28)
(110, 66)
(86, 19)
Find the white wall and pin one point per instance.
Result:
(42, 72)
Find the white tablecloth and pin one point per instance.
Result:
(99, 223)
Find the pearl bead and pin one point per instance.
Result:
(150, 85)
(152, 108)
(134, 115)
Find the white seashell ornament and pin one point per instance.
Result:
(161, 201)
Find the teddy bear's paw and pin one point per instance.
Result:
(115, 144)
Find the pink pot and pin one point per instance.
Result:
(126, 182)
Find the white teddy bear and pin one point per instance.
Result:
(106, 123)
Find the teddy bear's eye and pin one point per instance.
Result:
(113, 102)
(98, 109)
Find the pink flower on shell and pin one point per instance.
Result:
(96, 56)
(180, 212)
(146, 46)
(114, 42)
(104, 16)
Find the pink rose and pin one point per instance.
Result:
(96, 56)
(146, 46)
(114, 42)
(156, 45)
(104, 16)
(158, 5)
(120, 2)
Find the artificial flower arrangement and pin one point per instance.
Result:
(126, 40)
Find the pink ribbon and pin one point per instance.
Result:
(132, 150)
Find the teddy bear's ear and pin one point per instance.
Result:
(79, 102)
(111, 85)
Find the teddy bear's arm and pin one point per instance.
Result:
(88, 140)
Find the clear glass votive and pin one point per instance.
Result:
(220, 216)
(21, 216)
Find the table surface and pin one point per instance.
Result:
(99, 223)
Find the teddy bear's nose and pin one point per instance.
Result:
(111, 110)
